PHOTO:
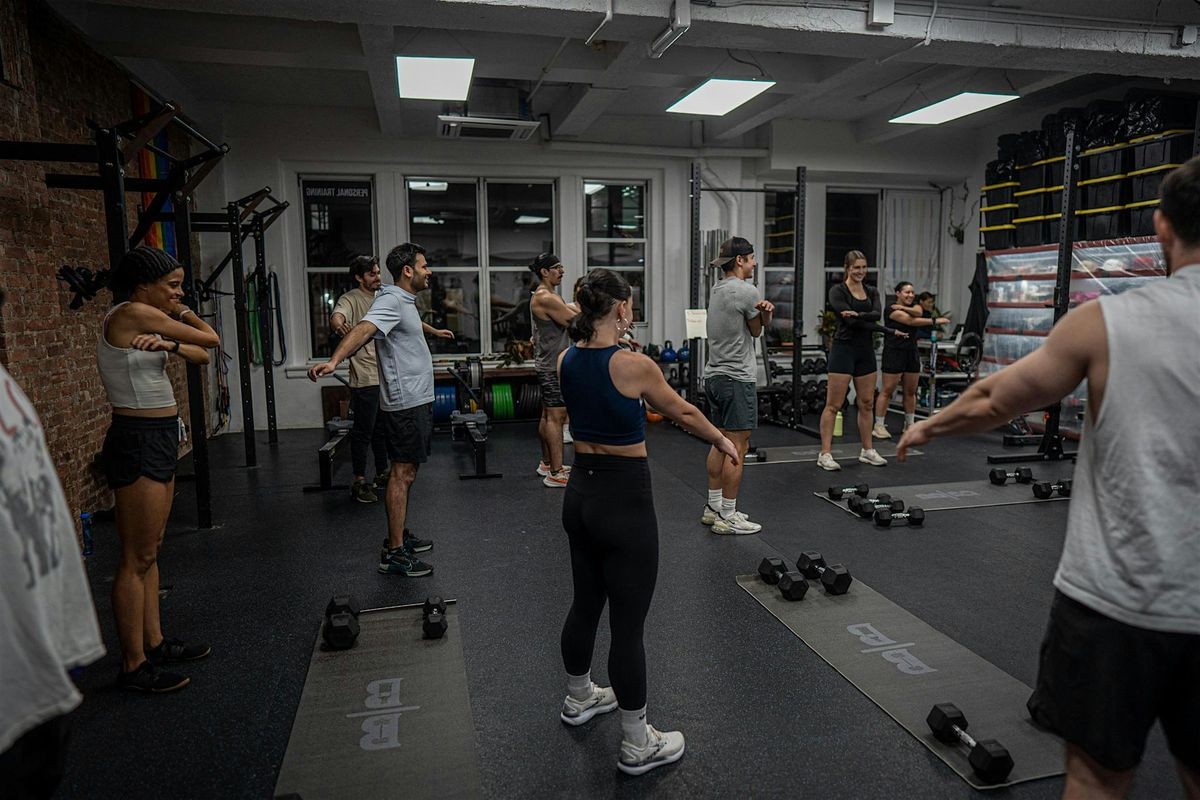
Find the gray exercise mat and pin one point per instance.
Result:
(846, 453)
(948, 496)
(389, 717)
(906, 667)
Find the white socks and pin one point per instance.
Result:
(728, 507)
(580, 686)
(714, 499)
(633, 726)
(909, 419)
(880, 421)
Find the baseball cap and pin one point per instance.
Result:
(731, 249)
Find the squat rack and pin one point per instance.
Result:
(111, 150)
(695, 188)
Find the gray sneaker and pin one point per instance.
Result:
(871, 457)
(739, 523)
(660, 749)
(601, 701)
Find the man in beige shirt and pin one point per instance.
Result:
(364, 380)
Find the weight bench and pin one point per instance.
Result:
(472, 428)
(325, 455)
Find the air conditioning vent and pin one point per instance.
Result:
(451, 126)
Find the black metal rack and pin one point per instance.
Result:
(695, 188)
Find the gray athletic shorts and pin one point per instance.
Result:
(732, 404)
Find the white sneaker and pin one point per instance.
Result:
(660, 748)
(739, 524)
(825, 461)
(557, 480)
(709, 516)
(880, 432)
(567, 438)
(543, 469)
(872, 457)
(601, 701)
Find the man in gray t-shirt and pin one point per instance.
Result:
(737, 315)
(405, 395)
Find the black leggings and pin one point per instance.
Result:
(364, 401)
(608, 513)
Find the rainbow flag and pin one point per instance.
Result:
(152, 165)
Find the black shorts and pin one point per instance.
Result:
(409, 433)
(137, 447)
(732, 404)
(551, 391)
(900, 360)
(1102, 684)
(848, 359)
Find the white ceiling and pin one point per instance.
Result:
(827, 63)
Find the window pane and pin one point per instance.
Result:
(324, 288)
(778, 290)
(615, 211)
(779, 230)
(616, 254)
(337, 222)
(520, 222)
(510, 307)
(637, 283)
(452, 301)
(442, 219)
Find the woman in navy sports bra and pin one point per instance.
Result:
(608, 513)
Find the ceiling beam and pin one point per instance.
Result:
(379, 49)
(585, 104)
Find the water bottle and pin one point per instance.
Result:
(85, 519)
(837, 424)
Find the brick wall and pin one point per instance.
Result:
(54, 82)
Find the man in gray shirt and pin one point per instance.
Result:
(736, 316)
(405, 395)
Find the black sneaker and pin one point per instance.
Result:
(149, 678)
(399, 561)
(416, 544)
(361, 491)
(171, 651)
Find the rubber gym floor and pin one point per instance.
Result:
(763, 715)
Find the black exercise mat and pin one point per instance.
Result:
(905, 667)
(389, 717)
(948, 496)
(847, 453)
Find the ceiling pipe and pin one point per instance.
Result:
(677, 25)
(608, 17)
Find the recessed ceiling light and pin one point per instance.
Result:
(428, 186)
(592, 188)
(718, 96)
(427, 220)
(529, 219)
(434, 78)
(960, 105)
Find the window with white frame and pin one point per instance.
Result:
(468, 249)
(615, 233)
(339, 224)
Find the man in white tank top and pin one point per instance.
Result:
(1122, 649)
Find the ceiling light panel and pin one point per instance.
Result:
(960, 105)
(716, 97)
(422, 78)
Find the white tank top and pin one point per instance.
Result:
(133, 378)
(1132, 550)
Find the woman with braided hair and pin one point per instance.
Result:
(608, 513)
(148, 324)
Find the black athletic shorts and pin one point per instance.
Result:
(136, 447)
(409, 433)
(551, 391)
(1102, 684)
(848, 359)
(899, 360)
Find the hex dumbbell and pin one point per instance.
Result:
(866, 507)
(791, 584)
(834, 577)
(988, 758)
(837, 493)
(914, 516)
(1043, 490)
(434, 622)
(1000, 477)
(340, 629)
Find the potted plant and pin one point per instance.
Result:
(827, 327)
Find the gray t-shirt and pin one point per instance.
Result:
(730, 345)
(405, 363)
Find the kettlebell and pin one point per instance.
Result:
(684, 353)
(668, 352)
(652, 352)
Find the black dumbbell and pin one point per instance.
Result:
(914, 516)
(1043, 490)
(771, 570)
(834, 577)
(988, 758)
(1000, 477)
(806, 366)
(792, 586)
(836, 493)
(340, 630)
(819, 367)
(434, 623)
(865, 507)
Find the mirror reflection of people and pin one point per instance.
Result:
(901, 363)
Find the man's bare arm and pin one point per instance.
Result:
(550, 305)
